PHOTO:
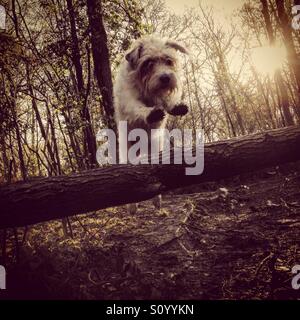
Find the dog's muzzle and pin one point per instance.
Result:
(167, 81)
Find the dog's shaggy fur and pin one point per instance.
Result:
(148, 85)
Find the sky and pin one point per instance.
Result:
(226, 6)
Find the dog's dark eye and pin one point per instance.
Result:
(147, 66)
(169, 62)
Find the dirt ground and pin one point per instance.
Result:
(235, 239)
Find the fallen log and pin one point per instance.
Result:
(44, 199)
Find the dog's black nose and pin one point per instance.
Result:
(165, 79)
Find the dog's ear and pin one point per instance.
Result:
(177, 46)
(134, 55)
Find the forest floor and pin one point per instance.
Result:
(235, 239)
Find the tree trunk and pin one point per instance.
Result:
(75, 48)
(293, 57)
(52, 163)
(101, 58)
(44, 199)
(284, 99)
(88, 133)
(267, 18)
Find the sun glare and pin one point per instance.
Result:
(268, 59)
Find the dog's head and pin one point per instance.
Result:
(154, 66)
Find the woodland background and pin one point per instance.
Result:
(58, 60)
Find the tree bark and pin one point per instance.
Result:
(88, 133)
(101, 58)
(293, 56)
(268, 23)
(53, 163)
(284, 99)
(57, 197)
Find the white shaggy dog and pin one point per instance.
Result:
(148, 86)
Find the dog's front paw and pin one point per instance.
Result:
(179, 110)
(155, 116)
